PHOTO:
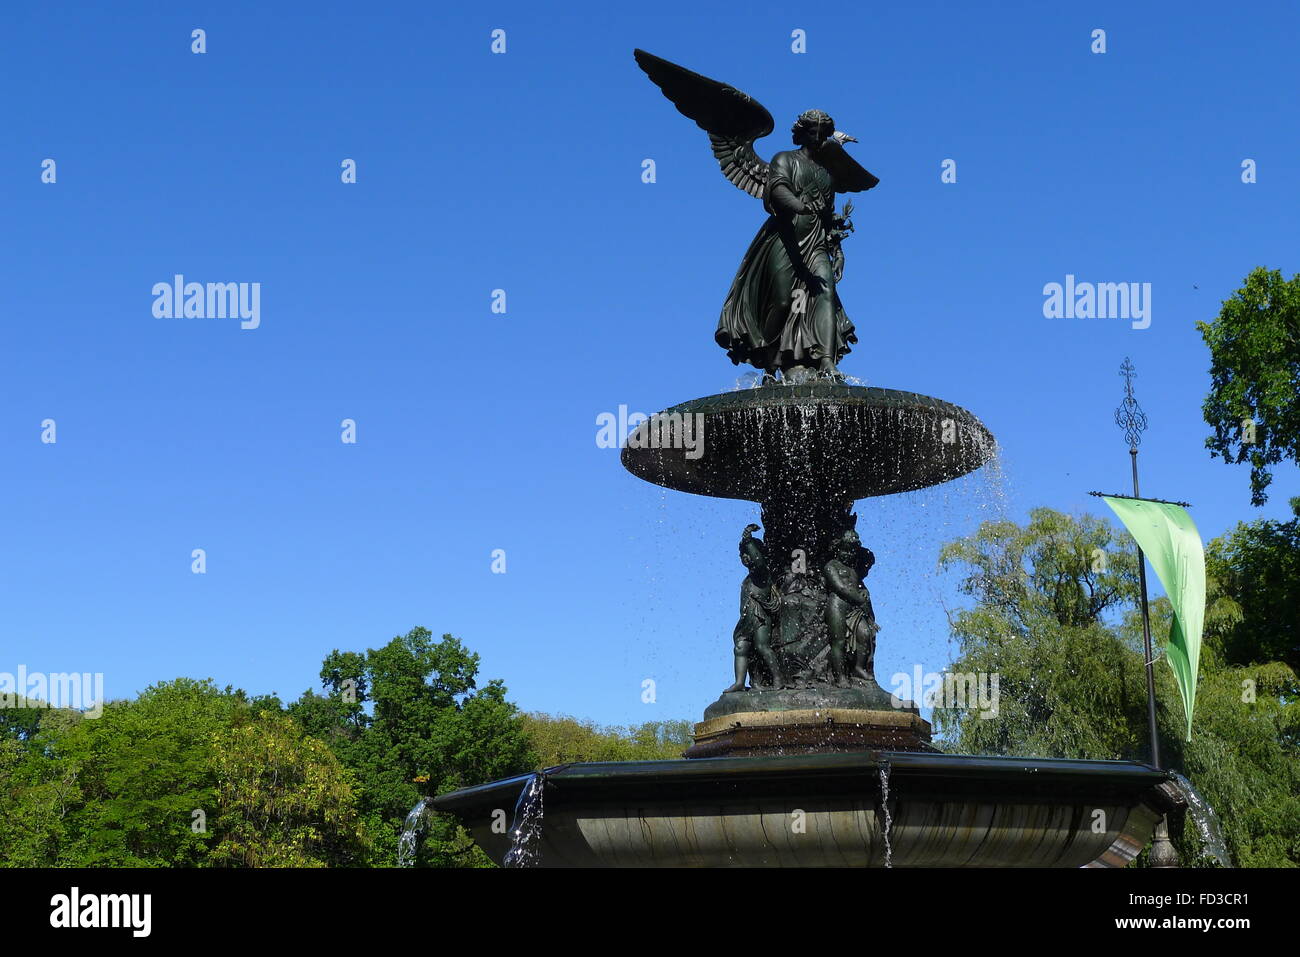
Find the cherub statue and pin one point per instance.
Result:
(850, 619)
(783, 311)
(759, 604)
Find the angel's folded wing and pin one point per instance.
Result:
(732, 119)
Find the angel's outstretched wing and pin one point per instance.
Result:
(849, 177)
(732, 119)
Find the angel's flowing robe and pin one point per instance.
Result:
(771, 318)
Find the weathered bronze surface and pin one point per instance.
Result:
(768, 443)
(804, 444)
(783, 312)
(806, 633)
(760, 608)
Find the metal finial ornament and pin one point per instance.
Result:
(1129, 415)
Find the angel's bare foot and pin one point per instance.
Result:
(738, 686)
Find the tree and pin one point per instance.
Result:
(1254, 404)
(1046, 595)
(410, 720)
(1063, 634)
(36, 792)
(143, 767)
(118, 790)
(1258, 564)
(560, 739)
(283, 799)
(21, 721)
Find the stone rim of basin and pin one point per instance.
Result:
(946, 810)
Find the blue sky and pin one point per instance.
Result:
(521, 172)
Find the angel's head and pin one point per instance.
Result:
(812, 129)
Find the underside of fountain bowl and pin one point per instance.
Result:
(843, 441)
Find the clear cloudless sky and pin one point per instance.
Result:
(522, 171)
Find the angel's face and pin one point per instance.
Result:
(812, 135)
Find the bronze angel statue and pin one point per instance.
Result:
(782, 311)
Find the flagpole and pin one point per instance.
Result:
(1146, 635)
(1130, 417)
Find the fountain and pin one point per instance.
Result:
(812, 764)
(804, 760)
(806, 453)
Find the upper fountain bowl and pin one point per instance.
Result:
(823, 438)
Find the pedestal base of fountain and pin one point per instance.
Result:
(809, 731)
(858, 695)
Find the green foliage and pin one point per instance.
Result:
(1244, 757)
(189, 775)
(36, 795)
(410, 720)
(1259, 565)
(562, 740)
(1071, 682)
(141, 769)
(1069, 686)
(20, 722)
(283, 799)
(123, 789)
(1255, 364)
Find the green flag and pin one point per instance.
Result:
(1168, 537)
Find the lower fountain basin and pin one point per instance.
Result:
(825, 810)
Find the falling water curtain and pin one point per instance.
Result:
(1168, 537)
